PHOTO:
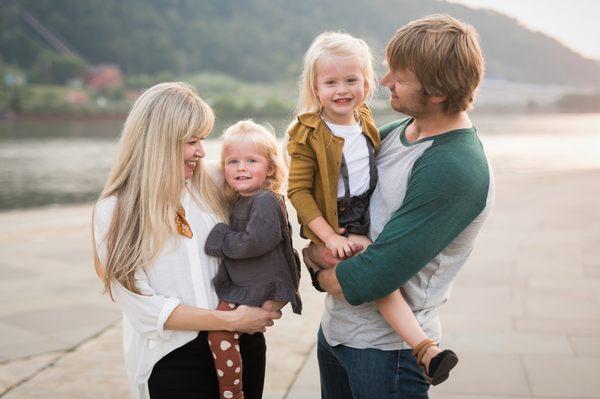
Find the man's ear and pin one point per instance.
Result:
(437, 99)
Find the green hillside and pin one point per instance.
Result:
(263, 40)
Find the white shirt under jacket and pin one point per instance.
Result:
(356, 155)
(182, 273)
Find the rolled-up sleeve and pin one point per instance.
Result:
(147, 312)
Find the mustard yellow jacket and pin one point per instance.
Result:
(316, 158)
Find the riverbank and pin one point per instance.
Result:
(66, 117)
(524, 314)
(285, 112)
(67, 162)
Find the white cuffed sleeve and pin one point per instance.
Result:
(147, 312)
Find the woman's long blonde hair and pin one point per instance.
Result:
(247, 131)
(332, 44)
(147, 179)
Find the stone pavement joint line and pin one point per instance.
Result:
(298, 375)
(54, 358)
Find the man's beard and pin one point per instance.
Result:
(416, 106)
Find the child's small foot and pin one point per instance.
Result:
(440, 366)
(436, 364)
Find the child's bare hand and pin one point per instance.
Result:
(361, 241)
(341, 246)
(272, 305)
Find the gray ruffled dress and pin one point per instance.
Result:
(259, 262)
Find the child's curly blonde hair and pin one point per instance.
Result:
(264, 139)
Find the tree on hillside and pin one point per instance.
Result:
(264, 40)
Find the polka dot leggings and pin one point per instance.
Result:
(225, 347)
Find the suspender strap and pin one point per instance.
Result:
(372, 167)
(346, 180)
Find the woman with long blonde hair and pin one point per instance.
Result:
(150, 225)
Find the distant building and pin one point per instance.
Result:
(103, 76)
(77, 97)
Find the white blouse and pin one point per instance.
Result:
(182, 273)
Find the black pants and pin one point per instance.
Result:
(189, 371)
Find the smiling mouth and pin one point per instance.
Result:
(342, 100)
(191, 164)
(242, 178)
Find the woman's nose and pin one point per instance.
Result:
(200, 153)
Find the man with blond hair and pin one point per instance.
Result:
(435, 190)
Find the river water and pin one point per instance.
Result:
(47, 163)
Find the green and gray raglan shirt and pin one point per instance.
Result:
(431, 200)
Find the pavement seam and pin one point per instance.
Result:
(300, 369)
(526, 374)
(58, 358)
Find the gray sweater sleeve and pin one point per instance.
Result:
(261, 235)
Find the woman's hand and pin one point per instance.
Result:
(246, 319)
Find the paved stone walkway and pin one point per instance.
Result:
(524, 314)
(60, 338)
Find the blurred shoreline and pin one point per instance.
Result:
(68, 162)
(99, 115)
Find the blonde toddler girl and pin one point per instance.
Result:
(260, 267)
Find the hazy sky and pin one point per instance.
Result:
(573, 22)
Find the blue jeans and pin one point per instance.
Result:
(350, 373)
